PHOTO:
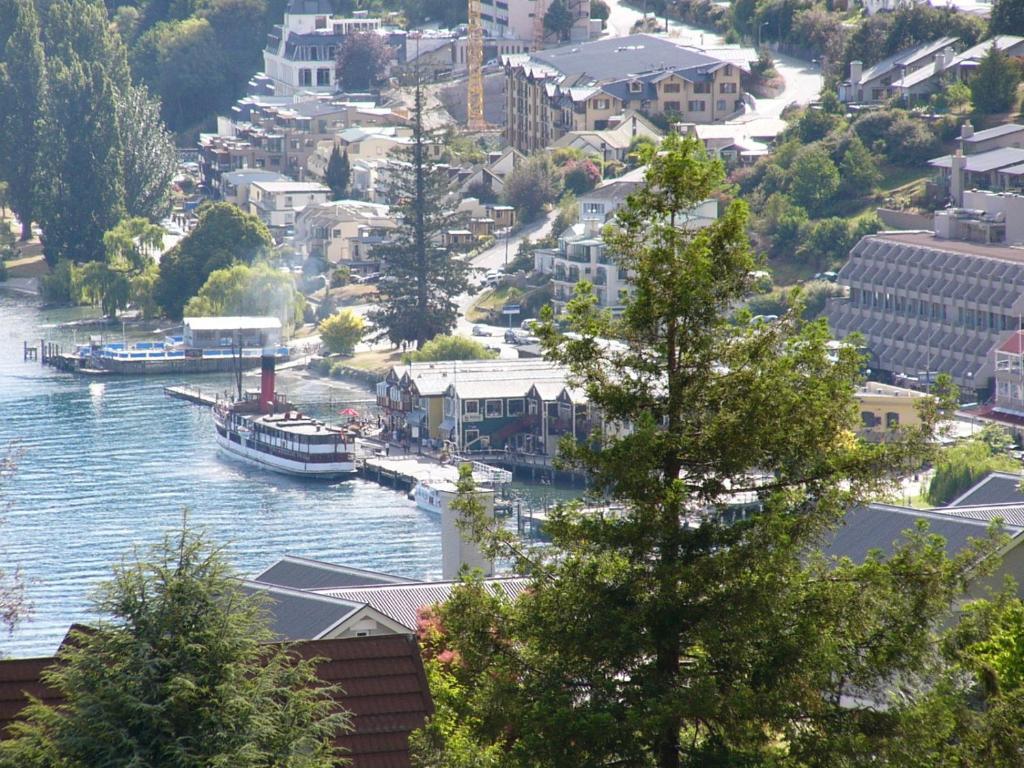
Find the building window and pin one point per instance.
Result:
(728, 70)
(532, 406)
(472, 435)
(594, 208)
(471, 408)
(305, 77)
(635, 86)
(892, 419)
(671, 106)
(515, 407)
(869, 419)
(702, 87)
(671, 88)
(696, 106)
(323, 77)
(320, 23)
(492, 409)
(727, 87)
(720, 105)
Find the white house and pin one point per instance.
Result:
(277, 202)
(299, 55)
(343, 232)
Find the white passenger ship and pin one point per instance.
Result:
(264, 430)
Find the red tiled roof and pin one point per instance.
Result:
(1014, 345)
(382, 679)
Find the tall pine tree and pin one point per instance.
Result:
(150, 160)
(22, 95)
(339, 173)
(667, 630)
(420, 278)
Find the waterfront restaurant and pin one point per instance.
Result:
(224, 332)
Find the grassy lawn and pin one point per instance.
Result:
(375, 361)
(487, 302)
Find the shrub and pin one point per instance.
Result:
(450, 348)
(342, 331)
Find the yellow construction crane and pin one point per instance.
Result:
(475, 64)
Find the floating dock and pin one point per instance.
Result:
(193, 394)
(406, 471)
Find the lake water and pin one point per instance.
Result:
(108, 464)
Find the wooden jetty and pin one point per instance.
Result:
(406, 471)
(193, 394)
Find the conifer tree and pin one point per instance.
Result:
(420, 278)
(178, 672)
(994, 85)
(665, 629)
(150, 160)
(338, 174)
(22, 95)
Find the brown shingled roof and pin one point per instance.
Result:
(385, 690)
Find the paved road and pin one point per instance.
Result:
(494, 257)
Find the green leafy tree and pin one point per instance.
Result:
(558, 19)
(82, 172)
(178, 672)
(959, 466)
(826, 243)
(342, 331)
(362, 61)
(994, 85)
(22, 96)
(815, 124)
(599, 10)
(664, 634)
(420, 280)
(126, 271)
(149, 160)
(784, 224)
(814, 179)
(858, 172)
(339, 174)
(242, 289)
(450, 348)
(224, 235)
(532, 185)
(1007, 18)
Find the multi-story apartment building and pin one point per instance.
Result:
(523, 19)
(343, 232)
(277, 202)
(299, 55)
(926, 305)
(584, 87)
(583, 255)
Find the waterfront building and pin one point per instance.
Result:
(884, 408)
(343, 232)
(276, 203)
(238, 332)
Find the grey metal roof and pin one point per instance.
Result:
(983, 161)
(906, 57)
(879, 526)
(994, 133)
(993, 488)
(402, 602)
(298, 7)
(298, 615)
(615, 57)
(1010, 514)
(303, 573)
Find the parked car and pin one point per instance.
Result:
(527, 325)
(479, 330)
(514, 336)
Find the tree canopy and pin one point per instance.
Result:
(665, 630)
(342, 331)
(338, 174)
(241, 289)
(224, 235)
(450, 348)
(177, 671)
(994, 85)
(362, 61)
(420, 279)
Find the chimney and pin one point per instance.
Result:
(966, 130)
(856, 71)
(940, 61)
(456, 548)
(956, 178)
(267, 397)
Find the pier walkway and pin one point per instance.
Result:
(406, 471)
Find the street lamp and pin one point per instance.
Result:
(508, 231)
(759, 30)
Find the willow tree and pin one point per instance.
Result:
(664, 631)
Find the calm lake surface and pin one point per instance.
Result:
(109, 464)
